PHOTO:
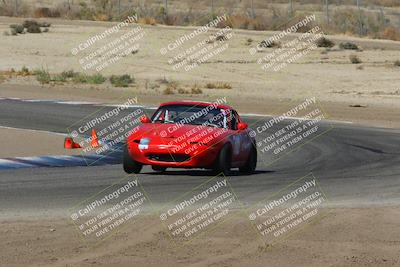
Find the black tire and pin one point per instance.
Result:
(251, 162)
(158, 168)
(129, 164)
(224, 160)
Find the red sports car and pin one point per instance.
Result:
(190, 134)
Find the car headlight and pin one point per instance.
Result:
(144, 143)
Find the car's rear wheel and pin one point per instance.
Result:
(224, 160)
(251, 162)
(158, 168)
(129, 164)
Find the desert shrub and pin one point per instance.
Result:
(96, 79)
(221, 37)
(196, 90)
(168, 91)
(58, 78)
(45, 30)
(80, 78)
(269, 44)
(44, 24)
(355, 59)
(34, 29)
(121, 80)
(171, 88)
(183, 91)
(69, 74)
(28, 23)
(348, 45)
(397, 63)
(42, 76)
(219, 85)
(324, 42)
(24, 71)
(90, 79)
(13, 32)
(19, 28)
(147, 20)
(42, 12)
(391, 33)
(173, 85)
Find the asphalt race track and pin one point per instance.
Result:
(354, 165)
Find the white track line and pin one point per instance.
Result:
(6, 162)
(31, 130)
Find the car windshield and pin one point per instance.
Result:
(194, 115)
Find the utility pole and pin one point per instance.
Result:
(166, 8)
(291, 7)
(253, 14)
(212, 7)
(16, 8)
(327, 11)
(360, 18)
(119, 8)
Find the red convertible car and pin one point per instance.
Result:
(188, 134)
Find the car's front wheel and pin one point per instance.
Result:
(251, 162)
(129, 164)
(224, 160)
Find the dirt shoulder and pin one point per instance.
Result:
(27, 143)
(343, 237)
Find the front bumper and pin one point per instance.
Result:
(200, 156)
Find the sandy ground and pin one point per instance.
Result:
(343, 237)
(330, 77)
(26, 143)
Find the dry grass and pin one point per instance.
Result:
(218, 85)
(196, 89)
(324, 42)
(147, 21)
(174, 87)
(354, 59)
(168, 91)
(391, 33)
(270, 15)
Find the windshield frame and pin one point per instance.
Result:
(224, 112)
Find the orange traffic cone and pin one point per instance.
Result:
(95, 140)
(70, 144)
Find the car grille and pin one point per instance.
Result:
(169, 157)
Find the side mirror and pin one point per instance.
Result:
(144, 119)
(242, 126)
